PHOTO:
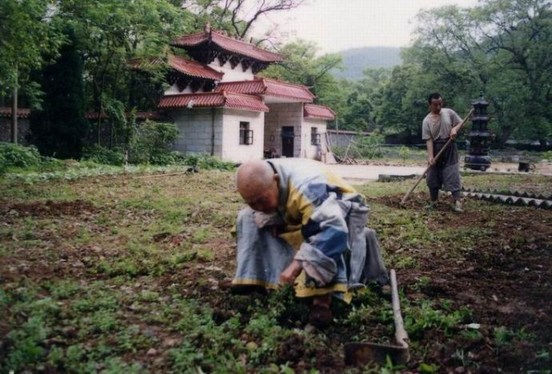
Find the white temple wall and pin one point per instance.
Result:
(232, 150)
(310, 150)
(231, 75)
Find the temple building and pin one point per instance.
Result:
(222, 108)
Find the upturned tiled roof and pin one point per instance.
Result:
(180, 64)
(318, 111)
(213, 100)
(21, 112)
(193, 68)
(268, 87)
(226, 43)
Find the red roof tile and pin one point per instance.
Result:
(227, 43)
(213, 99)
(21, 112)
(193, 68)
(180, 64)
(268, 87)
(318, 111)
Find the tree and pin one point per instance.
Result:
(25, 37)
(237, 16)
(362, 100)
(500, 48)
(60, 128)
(302, 66)
(111, 32)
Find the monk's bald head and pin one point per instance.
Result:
(257, 184)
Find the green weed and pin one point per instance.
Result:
(504, 336)
(424, 317)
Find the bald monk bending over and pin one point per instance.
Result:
(304, 226)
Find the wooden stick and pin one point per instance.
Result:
(400, 333)
(435, 158)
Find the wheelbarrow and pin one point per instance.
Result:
(359, 354)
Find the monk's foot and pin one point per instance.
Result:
(320, 313)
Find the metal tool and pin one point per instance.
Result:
(362, 353)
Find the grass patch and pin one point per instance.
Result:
(120, 272)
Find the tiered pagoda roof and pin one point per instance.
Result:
(208, 45)
(193, 68)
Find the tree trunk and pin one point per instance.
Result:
(14, 115)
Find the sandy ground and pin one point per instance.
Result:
(361, 173)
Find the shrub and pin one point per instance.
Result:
(152, 144)
(204, 161)
(15, 155)
(102, 155)
(370, 146)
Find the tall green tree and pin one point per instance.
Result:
(500, 48)
(302, 65)
(25, 37)
(59, 129)
(109, 34)
(364, 96)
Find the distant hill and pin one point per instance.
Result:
(356, 60)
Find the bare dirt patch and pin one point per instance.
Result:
(505, 279)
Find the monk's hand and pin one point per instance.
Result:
(431, 161)
(290, 273)
(453, 133)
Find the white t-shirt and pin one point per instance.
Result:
(440, 128)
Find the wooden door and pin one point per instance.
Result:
(287, 141)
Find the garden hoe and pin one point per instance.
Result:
(362, 353)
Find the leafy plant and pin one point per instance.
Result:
(102, 155)
(424, 317)
(18, 156)
(152, 144)
(207, 162)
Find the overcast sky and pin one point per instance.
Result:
(335, 25)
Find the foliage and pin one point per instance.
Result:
(26, 37)
(363, 99)
(17, 156)
(302, 66)
(60, 127)
(366, 147)
(204, 161)
(134, 260)
(425, 316)
(152, 144)
(102, 155)
(499, 48)
(238, 16)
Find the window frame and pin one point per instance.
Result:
(315, 136)
(245, 133)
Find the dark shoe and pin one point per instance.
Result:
(320, 316)
(431, 206)
(241, 289)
